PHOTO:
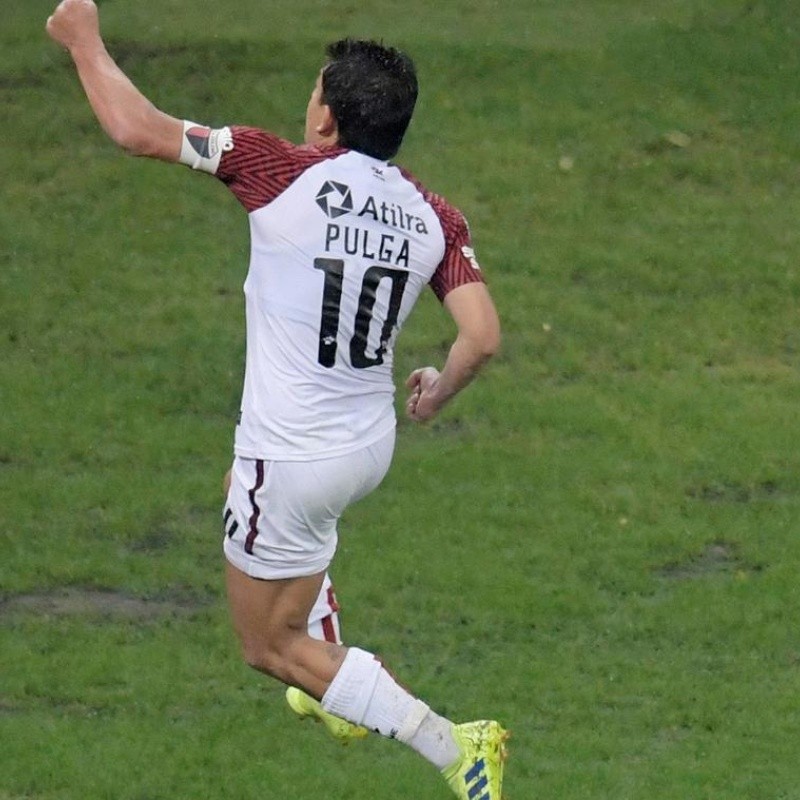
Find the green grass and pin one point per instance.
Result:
(596, 543)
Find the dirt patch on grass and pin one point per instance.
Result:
(714, 558)
(732, 492)
(87, 602)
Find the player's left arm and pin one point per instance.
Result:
(125, 114)
(477, 340)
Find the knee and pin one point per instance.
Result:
(271, 655)
(264, 656)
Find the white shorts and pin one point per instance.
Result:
(280, 516)
(323, 621)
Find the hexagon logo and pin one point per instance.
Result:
(335, 199)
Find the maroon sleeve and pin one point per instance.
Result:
(261, 165)
(458, 266)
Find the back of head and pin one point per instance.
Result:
(372, 91)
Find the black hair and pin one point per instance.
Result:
(371, 90)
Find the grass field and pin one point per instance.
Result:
(597, 543)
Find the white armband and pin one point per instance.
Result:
(202, 147)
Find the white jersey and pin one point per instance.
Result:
(342, 245)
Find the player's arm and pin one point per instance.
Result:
(477, 340)
(125, 114)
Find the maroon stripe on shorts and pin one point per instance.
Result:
(253, 525)
(328, 629)
(333, 603)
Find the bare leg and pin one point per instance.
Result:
(271, 619)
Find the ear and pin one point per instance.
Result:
(327, 125)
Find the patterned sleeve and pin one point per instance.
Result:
(259, 166)
(459, 265)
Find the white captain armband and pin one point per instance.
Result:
(202, 147)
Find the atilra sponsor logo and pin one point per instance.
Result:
(336, 200)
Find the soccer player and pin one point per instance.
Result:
(342, 244)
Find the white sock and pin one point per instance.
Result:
(434, 741)
(364, 693)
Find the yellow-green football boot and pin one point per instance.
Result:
(478, 773)
(306, 706)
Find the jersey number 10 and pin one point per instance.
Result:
(331, 308)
